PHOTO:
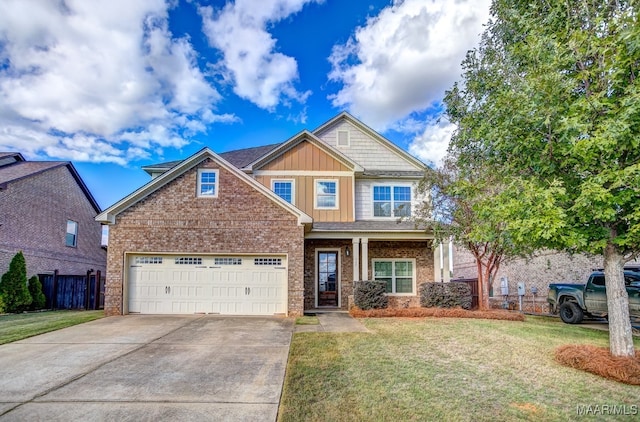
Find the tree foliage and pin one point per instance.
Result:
(13, 285)
(550, 100)
(35, 290)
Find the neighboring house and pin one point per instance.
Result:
(277, 229)
(536, 273)
(47, 212)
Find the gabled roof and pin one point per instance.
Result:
(109, 215)
(20, 168)
(373, 134)
(305, 135)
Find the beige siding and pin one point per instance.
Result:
(364, 150)
(305, 156)
(304, 195)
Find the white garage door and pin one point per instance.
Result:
(186, 284)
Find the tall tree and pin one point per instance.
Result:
(551, 100)
(13, 285)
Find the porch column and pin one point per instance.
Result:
(365, 258)
(356, 258)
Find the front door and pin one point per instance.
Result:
(328, 278)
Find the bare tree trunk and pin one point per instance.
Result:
(620, 334)
(483, 291)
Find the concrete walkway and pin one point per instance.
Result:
(334, 322)
(148, 368)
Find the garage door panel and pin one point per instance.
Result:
(240, 286)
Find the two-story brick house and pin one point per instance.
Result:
(48, 213)
(274, 229)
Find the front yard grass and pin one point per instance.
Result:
(445, 369)
(14, 327)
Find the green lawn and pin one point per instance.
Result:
(444, 369)
(15, 327)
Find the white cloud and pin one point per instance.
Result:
(404, 59)
(251, 62)
(92, 81)
(431, 145)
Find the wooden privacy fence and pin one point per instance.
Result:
(64, 291)
(473, 284)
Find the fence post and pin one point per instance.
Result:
(96, 298)
(87, 290)
(54, 296)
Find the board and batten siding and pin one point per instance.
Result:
(364, 196)
(305, 157)
(364, 150)
(304, 195)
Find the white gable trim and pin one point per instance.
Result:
(374, 135)
(109, 215)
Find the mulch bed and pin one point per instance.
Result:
(599, 361)
(436, 312)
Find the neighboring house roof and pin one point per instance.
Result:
(305, 135)
(109, 215)
(373, 134)
(22, 169)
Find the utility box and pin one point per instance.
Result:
(504, 286)
(521, 290)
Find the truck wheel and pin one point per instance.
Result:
(571, 313)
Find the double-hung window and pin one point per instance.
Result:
(326, 194)
(399, 274)
(208, 183)
(284, 189)
(391, 201)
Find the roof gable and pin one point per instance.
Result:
(301, 152)
(367, 147)
(110, 214)
(19, 169)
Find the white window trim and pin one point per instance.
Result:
(199, 184)
(315, 194)
(293, 188)
(393, 276)
(338, 138)
(391, 185)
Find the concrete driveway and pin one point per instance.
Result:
(148, 368)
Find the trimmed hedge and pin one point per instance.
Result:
(445, 295)
(35, 289)
(370, 294)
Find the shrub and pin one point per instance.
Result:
(37, 297)
(13, 285)
(445, 295)
(370, 294)
(1, 305)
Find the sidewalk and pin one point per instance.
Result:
(334, 322)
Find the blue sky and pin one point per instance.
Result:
(113, 85)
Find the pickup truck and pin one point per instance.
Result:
(575, 301)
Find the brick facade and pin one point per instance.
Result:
(33, 219)
(173, 219)
(421, 251)
(549, 267)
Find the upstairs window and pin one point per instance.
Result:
(208, 183)
(72, 234)
(392, 201)
(284, 189)
(326, 194)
